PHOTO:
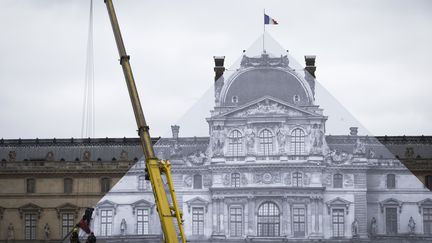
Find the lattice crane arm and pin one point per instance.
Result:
(154, 167)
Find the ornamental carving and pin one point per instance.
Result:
(307, 178)
(218, 141)
(49, 156)
(244, 180)
(197, 158)
(317, 139)
(287, 179)
(123, 155)
(339, 157)
(188, 181)
(267, 178)
(348, 180)
(267, 107)
(226, 179)
(207, 180)
(12, 155)
(282, 138)
(327, 179)
(359, 147)
(250, 140)
(265, 61)
(86, 156)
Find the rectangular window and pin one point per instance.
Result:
(198, 221)
(427, 220)
(105, 185)
(31, 185)
(299, 222)
(67, 223)
(106, 222)
(67, 185)
(338, 222)
(142, 221)
(236, 221)
(391, 221)
(30, 226)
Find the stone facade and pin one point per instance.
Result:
(267, 172)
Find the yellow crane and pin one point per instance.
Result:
(155, 168)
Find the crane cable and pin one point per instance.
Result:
(88, 116)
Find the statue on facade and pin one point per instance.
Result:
(10, 232)
(359, 147)
(123, 227)
(317, 138)
(47, 231)
(354, 228)
(411, 225)
(250, 140)
(218, 141)
(373, 227)
(282, 137)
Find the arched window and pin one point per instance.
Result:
(141, 183)
(391, 181)
(67, 185)
(235, 143)
(297, 179)
(297, 142)
(268, 219)
(266, 142)
(428, 183)
(197, 182)
(337, 181)
(235, 179)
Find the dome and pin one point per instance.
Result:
(252, 83)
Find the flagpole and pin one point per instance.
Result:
(264, 33)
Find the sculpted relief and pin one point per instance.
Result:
(282, 138)
(218, 141)
(250, 140)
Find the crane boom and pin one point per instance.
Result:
(154, 167)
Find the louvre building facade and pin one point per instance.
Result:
(267, 172)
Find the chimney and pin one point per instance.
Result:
(175, 131)
(310, 64)
(353, 131)
(219, 68)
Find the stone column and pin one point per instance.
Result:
(285, 217)
(214, 216)
(251, 218)
(221, 217)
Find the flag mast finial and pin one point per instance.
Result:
(264, 31)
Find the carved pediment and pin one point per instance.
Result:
(424, 203)
(30, 208)
(67, 207)
(268, 106)
(142, 204)
(338, 202)
(391, 202)
(197, 201)
(106, 204)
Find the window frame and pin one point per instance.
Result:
(66, 228)
(268, 220)
(391, 181)
(339, 223)
(106, 228)
(236, 223)
(235, 179)
(338, 180)
(145, 227)
(30, 185)
(297, 142)
(105, 188)
(67, 188)
(198, 220)
(235, 143)
(297, 179)
(30, 226)
(142, 183)
(194, 186)
(266, 143)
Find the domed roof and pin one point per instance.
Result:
(265, 76)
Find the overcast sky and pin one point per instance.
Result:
(372, 56)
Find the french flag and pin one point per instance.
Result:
(268, 20)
